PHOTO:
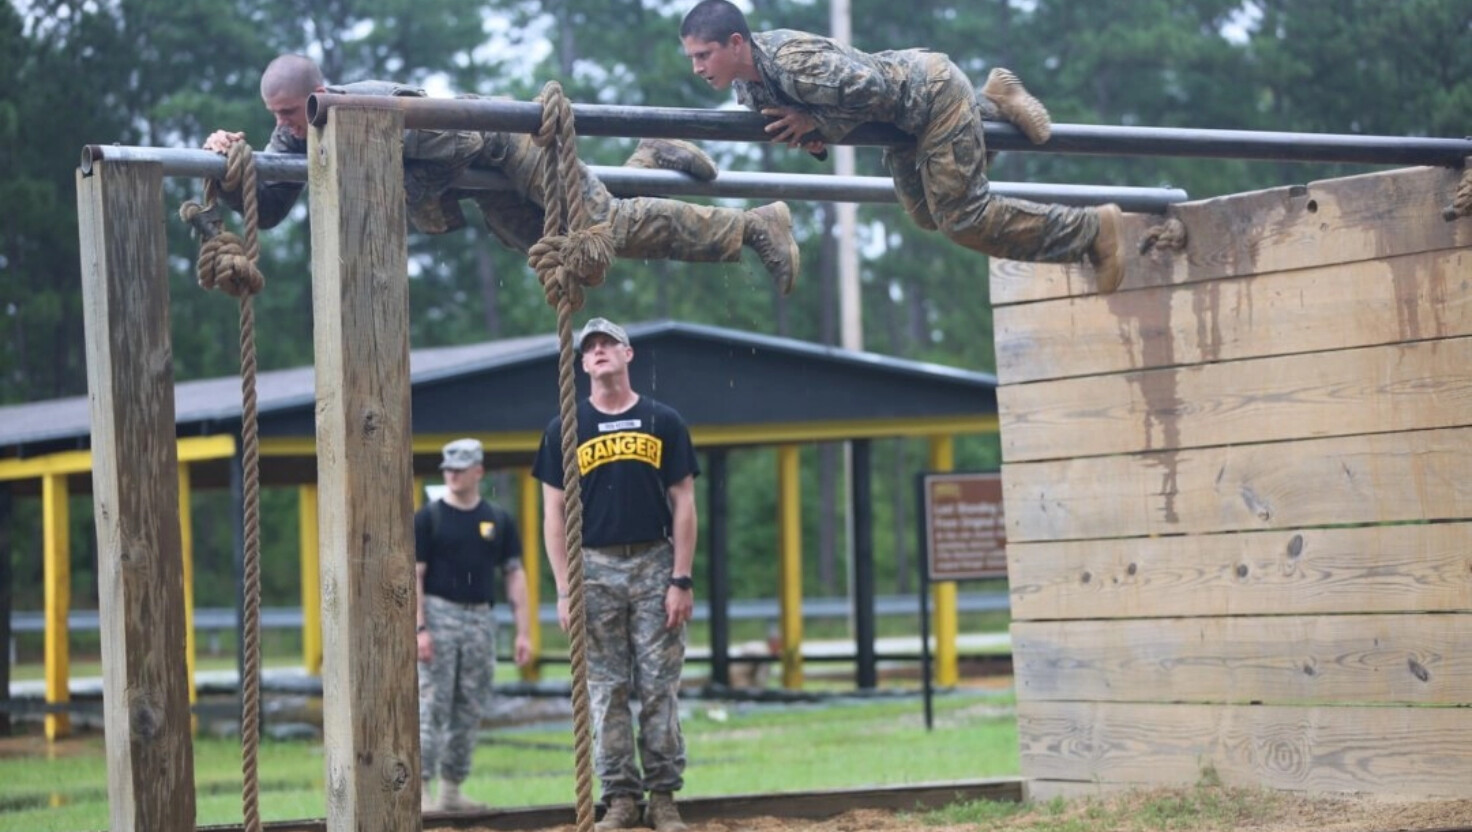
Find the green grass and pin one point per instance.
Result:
(732, 749)
(1205, 808)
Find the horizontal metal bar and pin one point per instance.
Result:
(1089, 139)
(626, 182)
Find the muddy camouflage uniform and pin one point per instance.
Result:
(941, 179)
(643, 227)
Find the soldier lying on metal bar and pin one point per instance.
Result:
(643, 227)
(817, 90)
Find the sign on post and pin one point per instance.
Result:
(965, 533)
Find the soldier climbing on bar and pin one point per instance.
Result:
(817, 90)
(642, 227)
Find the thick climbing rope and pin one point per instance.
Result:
(228, 263)
(572, 254)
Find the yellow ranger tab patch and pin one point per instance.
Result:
(487, 530)
(616, 447)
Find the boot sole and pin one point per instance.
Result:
(785, 215)
(1018, 105)
(1109, 278)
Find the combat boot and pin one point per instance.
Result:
(673, 154)
(623, 813)
(1017, 105)
(663, 814)
(769, 232)
(451, 800)
(1107, 253)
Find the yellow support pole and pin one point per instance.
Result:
(306, 499)
(530, 496)
(943, 595)
(186, 549)
(418, 493)
(57, 574)
(789, 582)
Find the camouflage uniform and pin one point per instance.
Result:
(453, 687)
(643, 227)
(624, 601)
(941, 180)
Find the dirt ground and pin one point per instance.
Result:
(1235, 810)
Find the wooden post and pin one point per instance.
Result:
(56, 573)
(130, 382)
(311, 570)
(186, 553)
(7, 589)
(789, 583)
(360, 305)
(529, 492)
(943, 594)
(717, 558)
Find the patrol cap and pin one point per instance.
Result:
(605, 326)
(462, 454)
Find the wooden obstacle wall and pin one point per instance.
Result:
(1238, 495)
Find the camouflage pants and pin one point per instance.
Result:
(633, 657)
(941, 182)
(643, 227)
(454, 685)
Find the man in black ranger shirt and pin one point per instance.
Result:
(638, 472)
(459, 542)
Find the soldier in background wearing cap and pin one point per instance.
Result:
(459, 542)
(638, 471)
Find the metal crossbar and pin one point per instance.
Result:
(627, 182)
(1088, 139)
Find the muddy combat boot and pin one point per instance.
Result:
(769, 232)
(662, 813)
(1017, 105)
(1107, 253)
(673, 154)
(451, 800)
(623, 813)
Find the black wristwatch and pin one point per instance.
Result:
(685, 582)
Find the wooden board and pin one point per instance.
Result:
(1371, 390)
(1344, 220)
(1402, 568)
(1409, 751)
(1420, 475)
(130, 387)
(1289, 659)
(1406, 298)
(360, 299)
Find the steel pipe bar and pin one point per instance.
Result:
(625, 182)
(1088, 139)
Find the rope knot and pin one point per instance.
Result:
(1168, 236)
(225, 265)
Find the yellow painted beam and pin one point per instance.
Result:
(418, 493)
(943, 594)
(427, 443)
(803, 432)
(529, 491)
(57, 576)
(789, 576)
(186, 550)
(306, 499)
(191, 449)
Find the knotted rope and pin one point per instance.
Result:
(570, 256)
(1461, 204)
(1168, 236)
(228, 263)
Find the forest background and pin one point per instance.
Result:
(166, 73)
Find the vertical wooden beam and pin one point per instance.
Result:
(789, 583)
(529, 518)
(130, 383)
(311, 566)
(360, 305)
(943, 594)
(717, 573)
(56, 571)
(186, 556)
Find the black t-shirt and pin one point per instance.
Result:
(463, 549)
(628, 461)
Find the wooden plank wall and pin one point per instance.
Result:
(1239, 498)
